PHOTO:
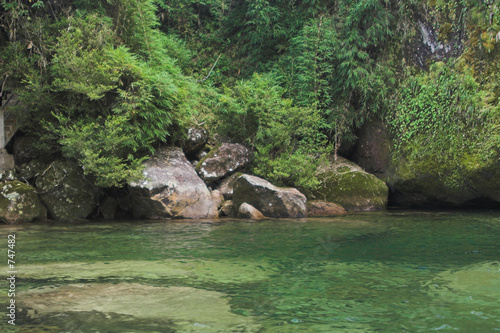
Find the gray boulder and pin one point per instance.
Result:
(270, 200)
(66, 192)
(247, 211)
(223, 161)
(171, 189)
(19, 203)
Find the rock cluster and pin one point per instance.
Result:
(175, 185)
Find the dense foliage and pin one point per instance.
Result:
(107, 80)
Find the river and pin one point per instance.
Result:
(392, 271)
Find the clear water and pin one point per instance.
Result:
(375, 272)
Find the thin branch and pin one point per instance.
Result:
(215, 63)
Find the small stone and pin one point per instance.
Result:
(247, 211)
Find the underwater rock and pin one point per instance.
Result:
(474, 283)
(213, 271)
(185, 308)
(171, 189)
(345, 183)
(65, 191)
(270, 200)
(247, 211)
(223, 161)
(19, 203)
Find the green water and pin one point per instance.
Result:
(374, 272)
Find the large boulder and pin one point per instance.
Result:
(196, 139)
(426, 182)
(223, 161)
(19, 203)
(373, 148)
(270, 200)
(66, 192)
(345, 183)
(171, 189)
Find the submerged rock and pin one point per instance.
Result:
(247, 211)
(270, 200)
(186, 309)
(323, 208)
(19, 203)
(223, 161)
(65, 191)
(171, 189)
(346, 184)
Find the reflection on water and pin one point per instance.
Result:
(373, 272)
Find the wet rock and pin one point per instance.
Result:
(346, 184)
(223, 161)
(19, 203)
(195, 141)
(66, 192)
(171, 189)
(247, 211)
(270, 200)
(323, 208)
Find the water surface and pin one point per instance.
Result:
(392, 271)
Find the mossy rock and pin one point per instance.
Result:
(346, 184)
(428, 182)
(19, 203)
(65, 191)
(222, 161)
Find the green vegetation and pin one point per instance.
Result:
(106, 81)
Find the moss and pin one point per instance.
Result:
(446, 181)
(19, 203)
(210, 154)
(356, 190)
